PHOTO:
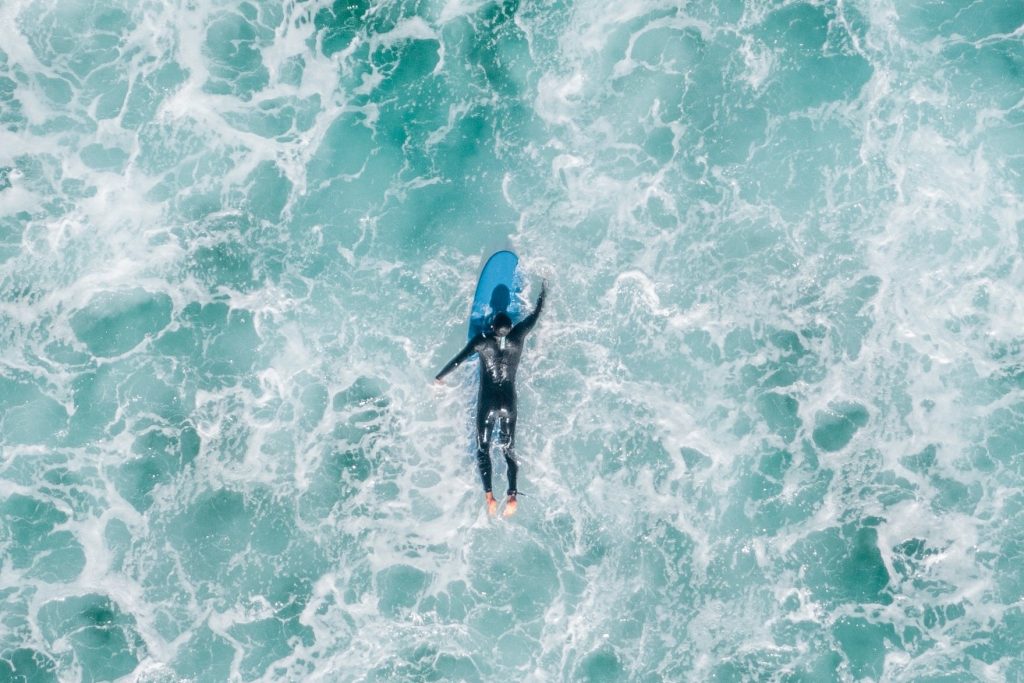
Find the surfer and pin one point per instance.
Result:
(499, 348)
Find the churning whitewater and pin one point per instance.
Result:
(771, 425)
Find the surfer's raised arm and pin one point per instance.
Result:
(527, 323)
(460, 358)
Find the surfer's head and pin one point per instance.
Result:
(502, 324)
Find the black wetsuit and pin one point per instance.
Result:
(499, 360)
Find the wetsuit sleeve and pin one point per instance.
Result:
(527, 323)
(460, 357)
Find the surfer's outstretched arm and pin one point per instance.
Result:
(527, 323)
(460, 358)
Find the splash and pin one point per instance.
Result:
(770, 426)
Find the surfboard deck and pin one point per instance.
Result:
(497, 290)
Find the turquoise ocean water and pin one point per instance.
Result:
(771, 425)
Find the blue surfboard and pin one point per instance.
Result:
(497, 290)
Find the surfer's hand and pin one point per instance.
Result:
(438, 381)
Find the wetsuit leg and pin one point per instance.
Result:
(484, 425)
(508, 437)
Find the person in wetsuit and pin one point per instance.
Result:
(500, 349)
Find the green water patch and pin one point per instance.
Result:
(910, 560)
(427, 662)
(623, 449)
(158, 457)
(25, 665)
(495, 44)
(32, 541)
(70, 486)
(106, 87)
(785, 168)
(953, 496)
(366, 393)
(1009, 581)
(783, 358)
(219, 343)
(233, 547)
(338, 478)
(706, 105)
(817, 61)
(103, 638)
(922, 461)
(234, 350)
(1004, 438)
(927, 19)
(102, 158)
(452, 604)
(817, 666)
(405, 64)
(399, 588)
(751, 666)
(95, 398)
(466, 200)
(57, 90)
(851, 322)
(663, 557)
(118, 540)
(165, 147)
(352, 458)
(344, 148)
(487, 49)
(338, 24)
(11, 108)
(694, 459)
(226, 264)
(520, 576)
(14, 618)
(213, 530)
(864, 645)
(146, 93)
(758, 505)
(74, 38)
(268, 192)
(360, 165)
(780, 413)
(205, 656)
(29, 415)
(277, 117)
(834, 428)
(313, 400)
(113, 323)
(366, 161)
(666, 48)
(702, 347)
(887, 488)
(600, 666)
(268, 640)
(844, 565)
(232, 46)
(734, 133)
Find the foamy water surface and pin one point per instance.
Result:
(771, 424)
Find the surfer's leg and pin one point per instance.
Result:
(508, 437)
(508, 440)
(484, 425)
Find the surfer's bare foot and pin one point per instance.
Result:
(510, 507)
(492, 504)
